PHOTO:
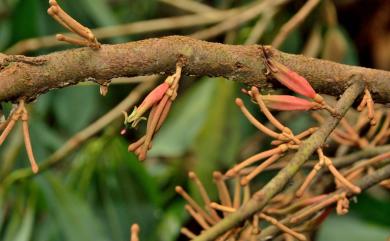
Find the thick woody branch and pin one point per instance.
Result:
(262, 197)
(29, 77)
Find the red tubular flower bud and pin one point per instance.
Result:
(154, 96)
(151, 99)
(291, 79)
(288, 102)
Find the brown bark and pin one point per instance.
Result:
(29, 77)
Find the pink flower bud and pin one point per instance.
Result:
(291, 79)
(288, 102)
(151, 99)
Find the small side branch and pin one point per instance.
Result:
(262, 197)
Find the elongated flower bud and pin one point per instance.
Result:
(291, 79)
(288, 102)
(151, 99)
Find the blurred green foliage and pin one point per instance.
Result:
(97, 192)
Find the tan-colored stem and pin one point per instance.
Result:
(135, 145)
(314, 208)
(223, 191)
(27, 143)
(194, 205)
(370, 104)
(257, 123)
(204, 195)
(340, 177)
(310, 178)
(277, 150)
(282, 227)
(300, 136)
(186, 232)
(240, 63)
(7, 130)
(151, 130)
(383, 131)
(222, 208)
(245, 180)
(237, 193)
(374, 128)
(199, 218)
(266, 111)
(67, 20)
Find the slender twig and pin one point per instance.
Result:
(260, 26)
(251, 12)
(87, 37)
(190, 5)
(294, 22)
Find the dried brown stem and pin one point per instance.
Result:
(223, 191)
(282, 227)
(246, 179)
(194, 205)
(294, 22)
(204, 195)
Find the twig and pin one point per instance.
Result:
(260, 26)
(238, 19)
(356, 156)
(87, 37)
(262, 197)
(20, 113)
(294, 22)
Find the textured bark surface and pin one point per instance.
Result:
(29, 77)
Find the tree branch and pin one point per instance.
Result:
(261, 198)
(20, 78)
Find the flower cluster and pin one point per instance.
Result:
(158, 102)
